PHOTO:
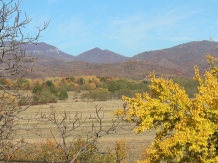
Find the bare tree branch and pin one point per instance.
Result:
(13, 62)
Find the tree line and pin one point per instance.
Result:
(95, 88)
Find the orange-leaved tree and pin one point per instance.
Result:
(186, 129)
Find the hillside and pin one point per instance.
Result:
(129, 69)
(182, 57)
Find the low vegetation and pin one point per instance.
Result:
(95, 88)
(48, 151)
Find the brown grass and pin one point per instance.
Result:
(71, 106)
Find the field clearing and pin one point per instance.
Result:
(74, 105)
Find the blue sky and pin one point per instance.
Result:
(126, 27)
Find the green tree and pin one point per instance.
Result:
(49, 83)
(113, 86)
(54, 91)
(37, 89)
(63, 95)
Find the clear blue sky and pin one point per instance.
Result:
(126, 27)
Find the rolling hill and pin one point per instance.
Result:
(128, 69)
(182, 57)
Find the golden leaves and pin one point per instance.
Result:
(186, 129)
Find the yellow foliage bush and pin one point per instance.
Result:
(186, 129)
(121, 151)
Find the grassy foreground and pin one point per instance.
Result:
(73, 105)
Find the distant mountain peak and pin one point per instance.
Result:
(97, 48)
(46, 50)
(97, 55)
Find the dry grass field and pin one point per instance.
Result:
(72, 106)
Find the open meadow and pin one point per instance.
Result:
(87, 108)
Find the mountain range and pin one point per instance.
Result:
(175, 61)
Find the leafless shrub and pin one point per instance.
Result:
(68, 124)
(13, 63)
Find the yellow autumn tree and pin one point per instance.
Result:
(186, 129)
